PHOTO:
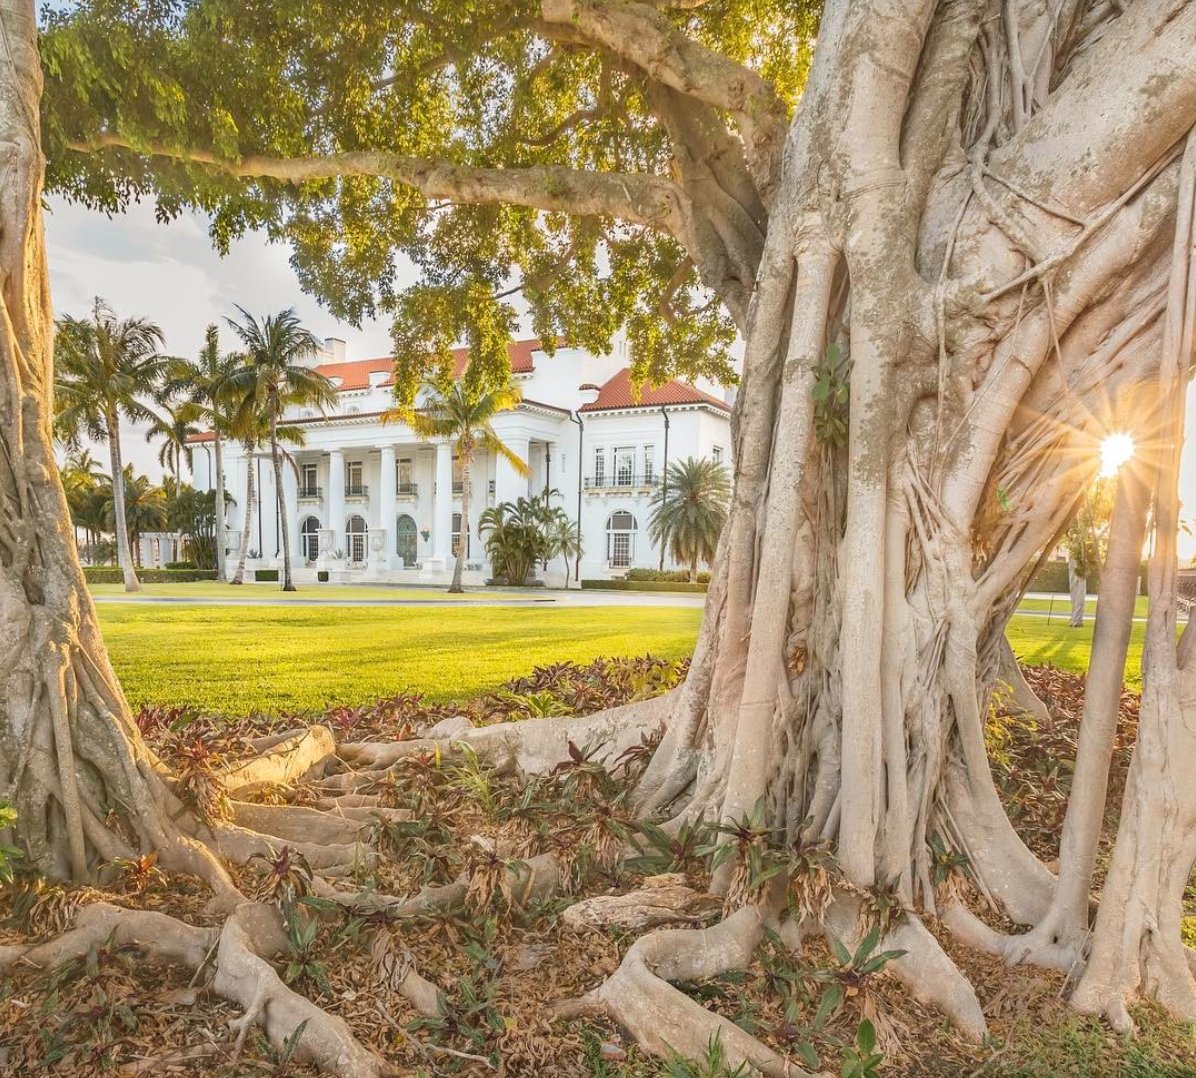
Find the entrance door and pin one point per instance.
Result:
(405, 541)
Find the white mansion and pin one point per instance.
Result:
(370, 501)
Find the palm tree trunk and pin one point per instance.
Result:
(221, 570)
(247, 521)
(287, 583)
(693, 570)
(463, 535)
(124, 553)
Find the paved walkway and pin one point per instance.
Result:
(546, 599)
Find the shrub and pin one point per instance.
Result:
(181, 565)
(265, 574)
(676, 575)
(643, 585)
(322, 576)
(105, 574)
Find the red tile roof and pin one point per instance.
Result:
(356, 373)
(202, 436)
(616, 394)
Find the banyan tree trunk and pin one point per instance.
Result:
(71, 760)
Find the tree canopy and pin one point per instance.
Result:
(600, 159)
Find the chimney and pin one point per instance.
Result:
(334, 347)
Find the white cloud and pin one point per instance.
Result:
(171, 274)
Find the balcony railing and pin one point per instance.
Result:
(407, 490)
(313, 493)
(622, 481)
(359, 490)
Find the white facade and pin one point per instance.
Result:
(371, 501)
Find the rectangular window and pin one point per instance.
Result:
(404, 472)
(353, 482)
(599, 467)
(458, 482)
(620, 550)
(456, 544)
(649, 464)
(624, 466)
(716, 454)
(308, 482)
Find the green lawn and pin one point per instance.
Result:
(241, 659)
(1061, 605)
(1036, 641)
(238, 660)
(331, 593)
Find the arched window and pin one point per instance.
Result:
(309, 538)
(356, 533)
(405, 545)
(620, 539)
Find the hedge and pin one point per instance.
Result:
(1052, 577)
(643, 585)
(261, 575)
(110, 574)
(678, 576)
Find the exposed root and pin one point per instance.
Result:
(283, 762)
(932, 978)
(241, 975)
(244, 976)
(296, 824)
(662, 1019)
(534, 746)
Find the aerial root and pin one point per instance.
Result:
(661, 1018)
(241, 975)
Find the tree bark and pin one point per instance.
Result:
(276, 459)
(247, 518)
(466, 453)
(124, 552)
(1077, 587)
(221, 561)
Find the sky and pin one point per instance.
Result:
(172, 274)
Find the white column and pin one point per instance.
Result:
(385, 501)
(336, 498)
(509, 484)
(290, 490)
(442, 505)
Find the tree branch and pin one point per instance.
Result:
(644, 37)
(637, 198)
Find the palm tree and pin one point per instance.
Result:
(269, 380)
(564, 538)
(690, 509)
(82, 479)
(203, 384)
(463, 412)
(252, 430)
(174, 429)
(105, 368)
(144, 505)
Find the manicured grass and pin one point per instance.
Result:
(1036, 641)
(240, 660)
(331, 593)
(1061, 605)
